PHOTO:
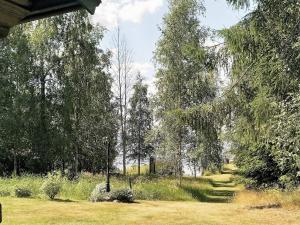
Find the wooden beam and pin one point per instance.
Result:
(3, 32)
(24, 3)
(11, 14)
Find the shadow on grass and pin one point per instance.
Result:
(63, 200)
(229, 171)
(220, 193)
(225, 184)
(206, 195)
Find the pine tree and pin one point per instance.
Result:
(139, 123)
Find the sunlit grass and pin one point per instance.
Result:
(269, 198)
(133, 170)
(185, 207)
(42, 212)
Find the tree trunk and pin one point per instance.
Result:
(76, 156)
(63, 168)
(43, 129)
(15, 172)
(139, 151)
(180, 158)
(152, 169)
(124, 156)
(121, 103)
(76, 161)
(195, 169)
(201, 171)
(139, 164)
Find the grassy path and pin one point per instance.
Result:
(222, 188)
(214, 209)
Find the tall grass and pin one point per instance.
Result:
(254, 199)
(31, 182)
(215, 188)
(145, 187)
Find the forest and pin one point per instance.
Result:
(65, 100)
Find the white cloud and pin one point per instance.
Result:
(148, 73)
(111, 12)
(146, 69)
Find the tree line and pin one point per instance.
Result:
(58, 110)
(63, 98)
(264, 49)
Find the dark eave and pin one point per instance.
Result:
(13, 12)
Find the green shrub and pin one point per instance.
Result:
(122, 195)
(52, 186)
(288, 182)
(99, 194)
(22, 192)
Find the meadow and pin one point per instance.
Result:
(214, 199)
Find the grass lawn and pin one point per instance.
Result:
(210, 203)
(33, 211)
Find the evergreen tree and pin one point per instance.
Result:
(139, 123)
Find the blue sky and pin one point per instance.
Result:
(139, 21)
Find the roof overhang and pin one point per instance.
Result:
(13, 12)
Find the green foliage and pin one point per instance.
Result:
(122, 195)
(240, 3)
(22, 192)
(285, 141)
(52, 186)
(56, 97)
(264, 73)
(139, 123)
(185, 80)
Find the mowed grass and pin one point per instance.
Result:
(37, 211)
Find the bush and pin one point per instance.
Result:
(52, 186)
(123, 195)
(99, 194)
(287, 182)
(22, 192)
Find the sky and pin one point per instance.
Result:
(139, 21)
